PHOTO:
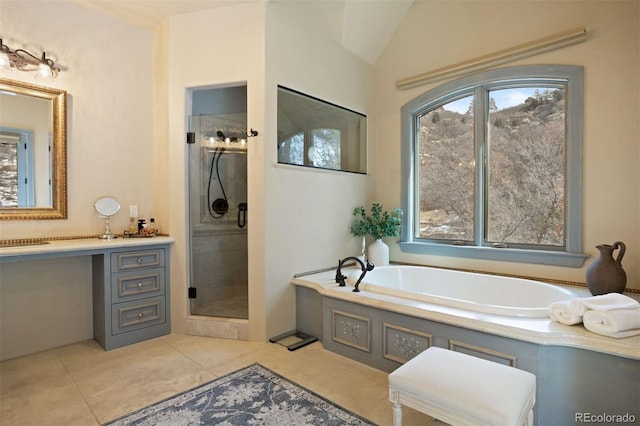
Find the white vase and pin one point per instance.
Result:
(378, 253)
(363, 249)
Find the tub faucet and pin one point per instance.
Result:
(340, 278)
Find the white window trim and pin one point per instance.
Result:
(572, 255)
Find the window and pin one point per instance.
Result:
(493, 167)
(323, 150)
(16, 167)
(314, 133)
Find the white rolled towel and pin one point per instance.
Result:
(604, 302)
(618, 323)
(563, 313)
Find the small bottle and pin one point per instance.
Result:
(133, 229)
(141, 224)
(153, 226)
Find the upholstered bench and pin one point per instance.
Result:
(463, 390)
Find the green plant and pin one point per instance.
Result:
(378, 224)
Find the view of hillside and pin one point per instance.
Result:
(525, 158)
(8, 171)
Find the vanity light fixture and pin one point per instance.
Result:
(22, 60)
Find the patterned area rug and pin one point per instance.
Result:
(253, 395)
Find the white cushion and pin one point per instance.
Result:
(473, 389)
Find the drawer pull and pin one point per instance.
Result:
(140, 314)
(140, 285)
(140, 260)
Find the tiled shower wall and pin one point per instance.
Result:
(220, 273)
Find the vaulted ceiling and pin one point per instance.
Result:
(363, 26)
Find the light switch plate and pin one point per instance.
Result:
(133, 211)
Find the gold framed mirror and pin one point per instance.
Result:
(33, 152)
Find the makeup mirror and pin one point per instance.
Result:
(107, 207)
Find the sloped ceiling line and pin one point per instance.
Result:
(364, 27)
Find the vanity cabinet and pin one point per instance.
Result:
(125, 282)
(131, 295)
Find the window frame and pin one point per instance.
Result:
(573, 77)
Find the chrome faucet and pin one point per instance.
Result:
(365, 268)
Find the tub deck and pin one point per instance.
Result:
(541, 331)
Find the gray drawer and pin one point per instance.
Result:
(137, 284)
(125, 261)
(137, 314)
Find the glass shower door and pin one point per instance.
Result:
(218, 216)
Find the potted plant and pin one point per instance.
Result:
(379, 224)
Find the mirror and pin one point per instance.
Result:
(107, 207)
(316, 133)
(33, 144)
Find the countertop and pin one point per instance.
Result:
(71, 247)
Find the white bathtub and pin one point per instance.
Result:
(472, 291)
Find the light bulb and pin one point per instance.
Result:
(44, 72)
(243, 141)
(5, 63)
(211, 140)
(227, 140)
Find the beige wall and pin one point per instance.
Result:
(41, 308)
(298, 217)
(107, 71)
(308, 212)
(127, 134)
(437, 34)
(216, 48)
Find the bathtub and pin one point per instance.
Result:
(489, 294)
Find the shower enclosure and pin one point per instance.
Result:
(218, 213)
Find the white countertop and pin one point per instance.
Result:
(54, 248)
(542, 331)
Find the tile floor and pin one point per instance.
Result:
(80, 384)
